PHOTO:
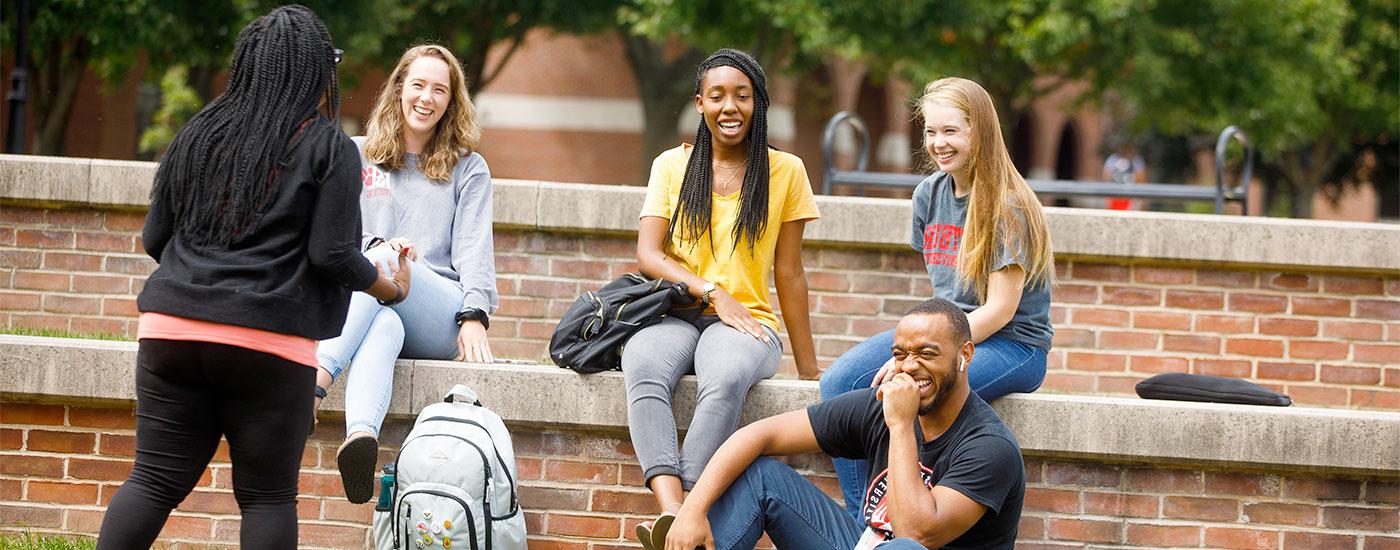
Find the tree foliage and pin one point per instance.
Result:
(471, 27)
(1313, 82)
(69, 37)
(1308, 80)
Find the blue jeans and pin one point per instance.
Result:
(999, 366)
(423, 326)
(771, 497)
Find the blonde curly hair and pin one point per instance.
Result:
(457, 134)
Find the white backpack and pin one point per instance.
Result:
(454, 484)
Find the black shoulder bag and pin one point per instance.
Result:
(590, 337)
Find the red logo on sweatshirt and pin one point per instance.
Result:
(376, 182)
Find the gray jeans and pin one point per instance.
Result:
(726, 362)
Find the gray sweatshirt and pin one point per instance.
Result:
(449, 222)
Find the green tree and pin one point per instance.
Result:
(472, 27)
(1307, 80)
(70, 37)
(178, 103)
(1361, 112)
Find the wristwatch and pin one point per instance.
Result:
(473, 314)
(705, 292)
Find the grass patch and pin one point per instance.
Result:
(51, 333)
(31, 541)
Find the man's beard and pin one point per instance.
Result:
(942, 388)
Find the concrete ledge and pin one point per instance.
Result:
(45, 179)
(846, 221)
(1321, 441)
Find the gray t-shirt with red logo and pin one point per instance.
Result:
(939, 218)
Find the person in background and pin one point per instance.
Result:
(1124, 166)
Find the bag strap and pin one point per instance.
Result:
(460, 393)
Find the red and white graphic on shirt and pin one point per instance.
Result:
(941, 242)
(376, 182)
(877, 513)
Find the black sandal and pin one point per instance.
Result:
(355, 459)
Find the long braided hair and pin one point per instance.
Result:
(694, 206)
(221, 169)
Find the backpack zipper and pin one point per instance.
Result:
(601, 310)
(618, 317)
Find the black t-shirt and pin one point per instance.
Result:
(978, 456)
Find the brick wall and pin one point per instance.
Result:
(1070, 504)
(61, 464)
(1327, 339)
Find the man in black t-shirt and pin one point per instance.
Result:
(945, 472)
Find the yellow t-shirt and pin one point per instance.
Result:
(743, 275)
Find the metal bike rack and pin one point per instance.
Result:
(1219, 194)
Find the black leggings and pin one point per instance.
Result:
(187, 395)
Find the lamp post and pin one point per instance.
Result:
(19, 94)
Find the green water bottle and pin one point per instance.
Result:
(386, 489)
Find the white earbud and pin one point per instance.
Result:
(962, 364)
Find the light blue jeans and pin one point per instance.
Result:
(726, 364)
(771, 497)
(423, 326)
(999, 366)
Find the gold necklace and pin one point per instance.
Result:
(725, 186)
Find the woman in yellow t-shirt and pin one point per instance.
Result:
(719, 216)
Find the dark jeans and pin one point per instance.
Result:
(188, 394)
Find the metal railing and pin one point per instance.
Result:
(1219, 194)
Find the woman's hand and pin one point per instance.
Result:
(401, 245)
(392, 285)
(886, 372)
(734, 314)
(690, 531)
(472, 346)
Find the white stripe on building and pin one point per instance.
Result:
(591, 114)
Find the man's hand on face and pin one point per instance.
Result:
(901, 400)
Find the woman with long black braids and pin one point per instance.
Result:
(254, 222)
(719, 216)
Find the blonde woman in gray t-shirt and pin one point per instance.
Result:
(985, 245)
(426, 190)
